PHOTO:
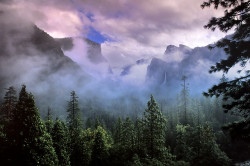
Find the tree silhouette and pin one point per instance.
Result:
(235, 92)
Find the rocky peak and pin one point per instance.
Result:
(174, 49)
(171, 48)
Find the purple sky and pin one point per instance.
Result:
(128, 29)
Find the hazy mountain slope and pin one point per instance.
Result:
(30, 56)
(93, 49)
(37, 49)
(165, 71)
(180, 61)
(87, 53)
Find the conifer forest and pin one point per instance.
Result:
(84, 83)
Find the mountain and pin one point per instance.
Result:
(38, 49)
(87, 53)
(127, 69)
(93, 49)
(30, 56)
(182, 49)
(48, 67)
(176, 62)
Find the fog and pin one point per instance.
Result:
(50, 75)
(30, 56)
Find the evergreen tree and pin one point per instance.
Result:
(60, 142)
(139, 144)
(197, 146)
(74, 118)
(127, 135)
(32, 144)
(89, 123)
(118, 131)
(88, 139)
(182, 150)
(9, 104)
(49, 122)
(236, 91)
(100, 148)
(6, 116)
(97, 123)
(77, 146)
(184, 94)
(170, 130)
(154, 130)
(209, 151)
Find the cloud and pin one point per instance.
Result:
(138, 28)
(148, 23)
(79, 54)
(57, 19)
(145, 21)
(142, 28)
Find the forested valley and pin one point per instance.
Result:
(188, 133)
(62, 103)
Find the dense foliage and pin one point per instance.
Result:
(237, 46)
(157, 137)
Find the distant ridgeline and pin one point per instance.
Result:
(30, 56)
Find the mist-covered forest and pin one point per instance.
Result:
(186, 133)
(77, 89)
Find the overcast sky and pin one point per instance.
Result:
(128, 29)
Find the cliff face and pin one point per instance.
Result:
(87, 54)
(179, 61)
(94, 51)
(30, 56)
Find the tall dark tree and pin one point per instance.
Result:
(6, 115)
(32, 144)
(139, 136)
(184, 94)
(60, 142)
(197, 146)
(49, 121)
(207, 151)
(74, 117)
(100, 148)
(77, 147)
(127, 135)
(9, 104)
(154, 130)
(118, 131)
(89, 123)
(236, 91)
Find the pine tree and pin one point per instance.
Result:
(197, 145)
(184, 94)
(6, 116)
(77, 149)
(87, 141)
(60, 142)
(236, 91)
(9, 104)
(154, 130)
(127, 134)
(118, 131)
(74, 117)
(209, 151)
(49, 122)
(89, 123)
(97, 123)
(100, 148)
(139, 144)
(182, 149)
(32, 144)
